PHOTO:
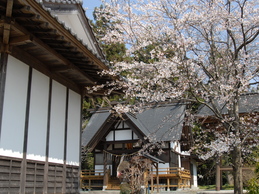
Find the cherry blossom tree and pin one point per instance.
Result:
(203, 51)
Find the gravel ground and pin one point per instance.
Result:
(196, 191)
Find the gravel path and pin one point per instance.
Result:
(198, 191)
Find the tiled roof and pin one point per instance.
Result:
(164, 123)
(247, 104)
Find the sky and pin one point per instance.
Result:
(89, 6)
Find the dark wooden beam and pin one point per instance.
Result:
(6, 33)
(20, 40)
(65, 145)
(7, 24)
(9, 8)
(25, 137)
(3, 66)
(46, 165)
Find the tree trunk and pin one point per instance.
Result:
(237, 170)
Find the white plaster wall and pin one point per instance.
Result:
(73, 128)
(73, 21)
(99, 168)
(177, 147)
(135, 136)
(57, 123)
(109, 137)
(12, 132)
(163, 166)
(195, 174)
(38, 116)
(123, 135)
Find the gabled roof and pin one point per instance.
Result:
(164, 123)
(248, 103)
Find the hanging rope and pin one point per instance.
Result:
(118, 155)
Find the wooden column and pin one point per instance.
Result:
(65, 147)
(218, 175)
(105, 171)
(157, 178)
(46, 167)
(3, 67)
(80, 147)
(168, 183)
(25, 138)
(152, 180)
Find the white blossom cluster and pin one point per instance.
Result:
(203, 51)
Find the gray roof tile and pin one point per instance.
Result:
(164, 123)
(248, 103)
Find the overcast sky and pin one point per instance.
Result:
(89, 6)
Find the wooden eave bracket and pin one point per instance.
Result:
(7, 26)
(20, 40)
(31, 38)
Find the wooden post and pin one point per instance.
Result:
(218, 175)
(105, 177)
(152, 180)
(168, 183)
(3, 67)
(157, 178)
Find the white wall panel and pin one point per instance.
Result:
(123, 135)
(57, 123)
(73, 128)
(110, 136)
(72, 20)
(163, 166)
(38, 116)
(14, 108)
(135, 136)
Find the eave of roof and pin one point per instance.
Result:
(153, 158)
(63, 7)
(30, 29)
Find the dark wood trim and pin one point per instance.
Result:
(135, 129)
(105, 170)
(102, 132)
(80, 144)
(3, 68)
(65, 144)
(122, 141)
(25, 139)
(46, 167)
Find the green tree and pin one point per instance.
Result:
(114, 52)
